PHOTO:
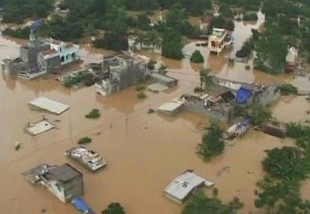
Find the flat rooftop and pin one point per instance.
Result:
(49, 105)
(182, 185)
(39, 127)
(163, 77)
(65, 172)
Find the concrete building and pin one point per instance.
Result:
(122, 72)
(180, 188)
(218, 40)
(163, 79)
(64, 181)
(213, 107)
(40, 57)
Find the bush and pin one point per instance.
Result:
(95, 113)
(198, 90)
(246, 49)
(151, 65)
(247, 67)
(151, 111)
(140, 88)
(287, 89)
(84, 140)
(250, 16)
(285, 163)
(259, 115)
(21, 33)
(212, 143)
(114, 208)
(197, 57)
(141, 95)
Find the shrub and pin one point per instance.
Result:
(84, 140)
(114, 208)
(250, 16)
(150, 111)
(247, 67)
(141, 95)
(140, 88)
(198, 90)
(197, 57)
(287, 89)
(151, 65)
(95, 113)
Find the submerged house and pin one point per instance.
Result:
(180, 188)
(122, 72)
(216, 108)
(39, 57)
(64, 181)
(218, 40)
(257, 94)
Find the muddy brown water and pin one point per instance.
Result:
(143, 155)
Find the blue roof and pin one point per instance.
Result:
(243, 95)
(80, 205)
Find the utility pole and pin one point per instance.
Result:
(126, 118)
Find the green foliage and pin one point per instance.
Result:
(151, 65)
(212, 143)
(17, 11)
(141, 95)
(221, 22)
(250, 16)
(287, 89)
(140, 88)
(84, 140)
(172, 44)
(246, 49)
(93, 114)
(280, 197)
(271, 54)
(286, 163)
(259, 115)
(114, 208)
(206, 79)
(200, 203)
(21, 33)
(197, 57)
(78, 79)
(198, 90)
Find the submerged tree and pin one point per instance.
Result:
(206, 79)
(259, 114)
(114, 208)
(172, 44)
(212, 143)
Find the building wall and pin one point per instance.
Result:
(197, 107)
(69, 56)
(170, 84)
(72, 188)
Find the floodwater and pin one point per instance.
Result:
(144, 152)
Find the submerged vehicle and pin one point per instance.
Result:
(88, 158)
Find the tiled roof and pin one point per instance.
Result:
(56, 42)
(49, 52)
(69, 45)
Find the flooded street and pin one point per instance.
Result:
(144, 154)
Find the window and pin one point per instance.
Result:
(62, 58)
(67, 57)
(60, 49)
(50, 64)
(73, 55)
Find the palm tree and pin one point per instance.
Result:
(206, 78)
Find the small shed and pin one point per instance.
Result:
(164, 80)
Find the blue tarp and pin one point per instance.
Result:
(243, 95)
(244, 122)
(81, 205)
(36, 25)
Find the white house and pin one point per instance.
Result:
(68, 51)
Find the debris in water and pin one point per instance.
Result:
(150, 111)
(17, 146)
(57, 121)
(43, 210)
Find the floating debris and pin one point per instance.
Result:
(17, 146)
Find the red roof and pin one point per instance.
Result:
(69, 45)
(56, 42)
(49, 52)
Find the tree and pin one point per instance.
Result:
(172, 45)
(259, 114)
(196, 7)
(114, 208)
(206, 78)
(212, 143)
(201, 204)
(286, 163)
(197, 57)
(271, 53)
